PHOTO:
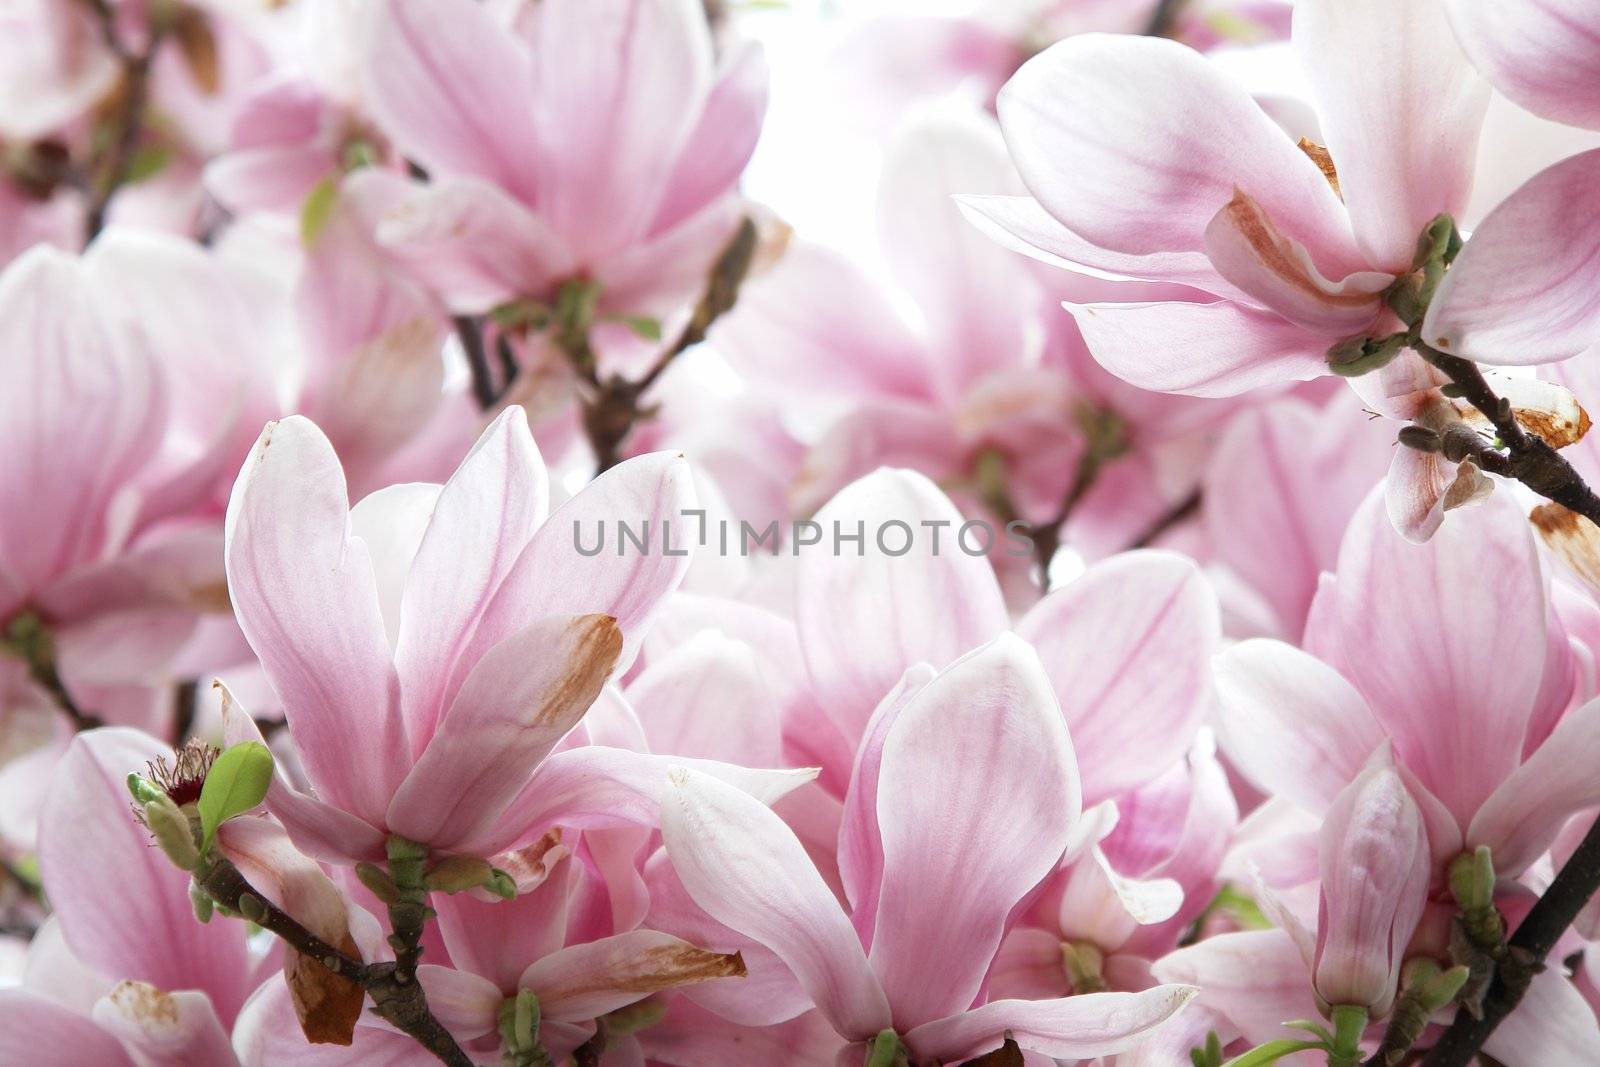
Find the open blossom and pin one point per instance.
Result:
(931, 875)
(1383, 666)
(455, 684)
(571, 139)
(1173, 173)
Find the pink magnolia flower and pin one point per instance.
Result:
(122, 973)
(450, 634)
(932, 875)
(573, 139)
(1540, 53)
(1450, 652)
(1148, 162)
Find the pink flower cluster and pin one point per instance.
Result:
(478, 586)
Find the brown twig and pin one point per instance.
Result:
(1164, 18)
(395, 993)
(1168, 519)
(111, 170)
(614, 406)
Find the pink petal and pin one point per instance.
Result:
(1080, 1027)
(708, 698)
(86, 830)
(1544, 54)
(80, 415)
(1256, 980)
(520, 699)
(454, 90)
(1165, 145)
(1128, 647)
(653, 495)
(957, 859)
(691, 1036)
(583, 982)
(467, 1004)
(748, 871)
(496, 939)
(180, 1029)
(1293, 725)
(976, 297)
(1422, 486)
(1228, 348)
(860, 847)
(1481, 572)
(1404, 142)
(1522, 817)
(1552, 1024)
(618, 88)
(483, 519)
(864, 618)
(268, 1034)
(1021, 224)
(473, 244)
(717, 149)
(1519, 293)
(42, 1033)
(304, 593)
(1275, 270)
(321, 830)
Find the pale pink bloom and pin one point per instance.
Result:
(53, 67)
(1148, 162)
(1125, 645)
(122, 973)
(1450, 652)
(120, 415)
(422, 628)
(568, 139)
(932, 875)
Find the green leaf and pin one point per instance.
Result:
(1272, 1052)
(237, 782)
(317, 209)
(147, 162)
(643, 325)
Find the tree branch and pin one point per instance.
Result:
(1164, 18)
(1174, 515)
(469, 331)
(111, 170)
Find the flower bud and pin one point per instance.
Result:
(1374, 865)
(173, 832)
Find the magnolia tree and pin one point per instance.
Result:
(477, 585)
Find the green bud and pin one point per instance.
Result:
(1421, 438)
(317, 210)
(201, 901)
(519, 1029)
(377, 880)
(1356, 356)
(144, 791)
(1209, 1055)
(1472, 879)
(456, 873)
(1083, 962)
(1431, 987)
(172, 831)
(501, 884)
(886, 1050)
(253, 908)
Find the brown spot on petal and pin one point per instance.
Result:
(1573, 538)
(1557, 431)
(1277, 254)
(198, 46)
(665, 967)
(1319, 155)
(596, 644)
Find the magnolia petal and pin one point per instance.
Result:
(1519, 293)
(1127, 646)
(1574, 539)
(720, 144)
(1228, 348)
(958, 859)
(1523, 816)
(518, 702)
(1553, 1023)
(748, 871)
(305, 595)
(866, 617)
(1078, 1027)
(181, 1028)
(1404, 143)
(583, 982)
(1541, 53)
(38, 1031)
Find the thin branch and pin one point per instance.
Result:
(111, 171)
(1525, 954)
(615, 408)
(1164, 18)
(46, 675)
(1170, 518)
(1047, 535)
(186, 703)
(396, 994)
(469, 330)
